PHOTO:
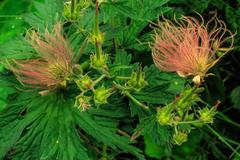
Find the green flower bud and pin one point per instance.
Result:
(97, 38)
(82, 103)
(137, 80)
(101, 95)
(207, 115)
(84, 83)
(180, 137)
(99, 61)
(73, 11)
(69, 13)
(164, 115)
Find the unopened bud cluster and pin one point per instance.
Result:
(137, 80)
(82, 102)
(184, 111)
(99, 61)
(101, 95)
(73, 9)
(179, 137)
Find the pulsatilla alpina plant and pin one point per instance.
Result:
(75, 91)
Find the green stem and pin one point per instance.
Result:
(114, 45)
(97, 48)
(81, 50)
(104, 152)
(138, 73)
(225, 118)
(122, 78)
(72, 6)
(222, 139)
(96, 18)
(190, 94)
(190, 122)
(232, 141)
(99, 79)
(126, 93)
(97, 43)
(230, 157)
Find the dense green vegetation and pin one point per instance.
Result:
(116, 104)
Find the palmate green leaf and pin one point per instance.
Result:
(110, 114)
(46, 128)
(16, 49)
(112, 109)
(52, 135)
(7, 84)
(140, 12)
(122, 6)
(46, 15)
(104, 135)
(149, 124)
(12, 124)
(155, 134)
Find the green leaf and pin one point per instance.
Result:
(152, 149)
(121, 65)
(46, 128)
(235, 97)
(47, 14)
(104, 134)
(11, 18)
(16, 49)
(121, 7)
(7, 87)
(155, 134)
(138, 10)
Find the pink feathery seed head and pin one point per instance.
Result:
(189, 47)
(54, 65)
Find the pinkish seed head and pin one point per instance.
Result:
(54, 65)
(189, 47)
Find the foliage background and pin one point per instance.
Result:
(202, 144)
